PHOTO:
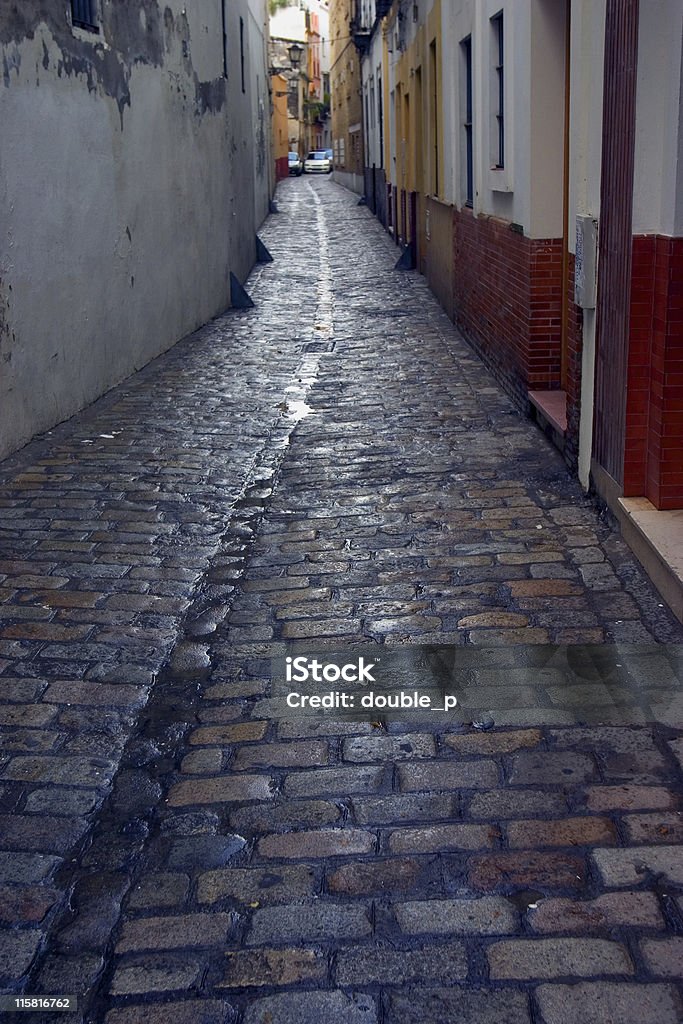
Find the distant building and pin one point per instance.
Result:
(306, 23)
(135, 171)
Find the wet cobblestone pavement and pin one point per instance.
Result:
(333, 466)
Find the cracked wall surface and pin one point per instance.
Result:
(132, 181)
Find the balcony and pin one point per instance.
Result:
(361, 35)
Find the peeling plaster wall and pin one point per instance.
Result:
(128, 189)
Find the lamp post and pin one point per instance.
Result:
(293, 73)
(295, 52)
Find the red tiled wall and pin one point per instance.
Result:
(653, 459)
(281, 168)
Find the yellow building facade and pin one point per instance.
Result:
(280, 125)
(346, 96)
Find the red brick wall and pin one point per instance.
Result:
(653, 458)
(507, 300)
(545, 323)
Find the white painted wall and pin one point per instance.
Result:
(128, 190)
(372, 71)
(457, 24)
(658, 177)
(528, 190)
(260, 109)
(547, 93)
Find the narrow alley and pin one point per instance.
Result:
(333, 467)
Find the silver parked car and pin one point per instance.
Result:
(294, 163)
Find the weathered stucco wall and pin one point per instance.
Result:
(128, 187)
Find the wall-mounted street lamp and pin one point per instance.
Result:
(295, 52)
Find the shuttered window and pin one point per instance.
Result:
(84, 14)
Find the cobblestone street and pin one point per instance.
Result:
(334, 466)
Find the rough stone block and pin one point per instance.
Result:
(601, 1001)
(438, 776)
(258, 885)
(629, 798)
(308, 923)
(276, 967)
(488, 915)
(389, 810)
(174, 932)
(311, 1008)
(382, 747)
(333, 781)
(363, 965)
(492, 743)
(586, 831)
(527, 869)
(224, 789)
(297, 754)
(331, 842)
(436, 1006)
(437, 838)
(629, 909)
(526, 959)
(399, 874)
(664, 957)
(531, 768)
(619, 868)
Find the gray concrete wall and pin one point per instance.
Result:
(130, 186)
(354, 182)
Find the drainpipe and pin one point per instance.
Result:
(564, 321)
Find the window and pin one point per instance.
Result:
(84, 14)
(242, 52)
(498, 92)
(466, 51)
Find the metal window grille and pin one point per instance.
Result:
(434, 117)
(467, 124)
(242, 53)
(497, 24)
(224, 28)
(84, 14)
(380, 114)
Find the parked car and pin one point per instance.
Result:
(317, 162)
(330, 156)
(294, 162)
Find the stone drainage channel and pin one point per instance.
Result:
(129, 831)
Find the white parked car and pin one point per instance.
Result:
(317, 162)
